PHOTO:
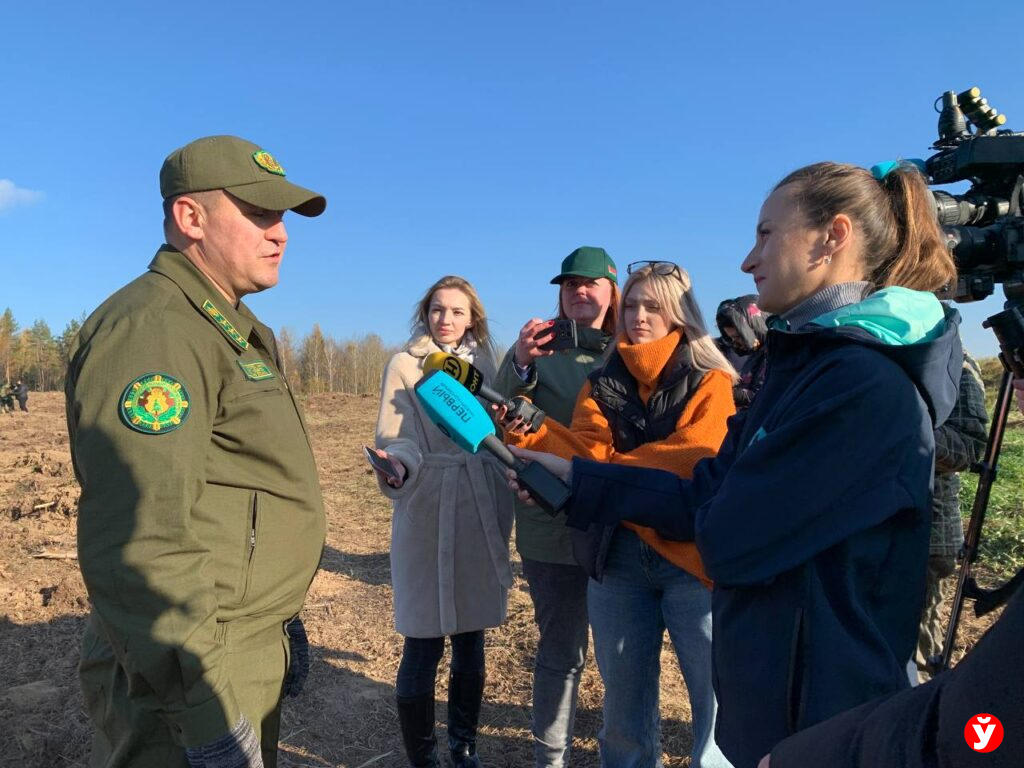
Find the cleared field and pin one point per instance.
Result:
(346, 715)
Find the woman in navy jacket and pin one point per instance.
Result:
(813, 520)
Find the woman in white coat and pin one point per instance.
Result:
(449, 533)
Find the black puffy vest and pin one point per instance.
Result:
(633, 424)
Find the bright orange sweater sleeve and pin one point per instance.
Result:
(698, 435)
(588, 436)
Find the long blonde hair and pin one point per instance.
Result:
(674, 292)
(480, 330)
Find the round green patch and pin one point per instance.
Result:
(154, 403)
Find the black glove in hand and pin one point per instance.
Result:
(943, 565)
(237, 749)
(298, 667)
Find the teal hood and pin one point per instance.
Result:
(911, 328)
(895, 316)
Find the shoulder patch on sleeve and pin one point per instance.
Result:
(154, 403)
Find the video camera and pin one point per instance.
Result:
(985, 232)
(985, 225)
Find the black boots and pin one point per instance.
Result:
(465, 690)
(416, 716)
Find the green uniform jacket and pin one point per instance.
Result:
(554, 384)
(207, 533)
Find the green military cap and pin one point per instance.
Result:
(237, 166)
(587, 261)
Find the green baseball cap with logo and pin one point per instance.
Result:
(240, 167)
(587, 261)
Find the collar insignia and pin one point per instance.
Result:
(266, 161)
(225, 325)
(154, 404)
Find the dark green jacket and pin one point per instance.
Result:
(554, 384)
(202, 533)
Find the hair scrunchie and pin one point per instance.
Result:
(881, 170)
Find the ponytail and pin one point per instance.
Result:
(903, 244)
(921, 260)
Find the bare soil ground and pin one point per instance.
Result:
(346, 715)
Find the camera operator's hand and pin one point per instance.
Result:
(764, 761)
(527, 347)
(558, 466)
(1018, 390)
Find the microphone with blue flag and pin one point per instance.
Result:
(460, 416)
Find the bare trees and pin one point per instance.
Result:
(353, 365)
(314, 364)
(33, 354)
(8, 331)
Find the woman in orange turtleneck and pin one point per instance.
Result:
(661, 400)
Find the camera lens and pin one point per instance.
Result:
(950, 210)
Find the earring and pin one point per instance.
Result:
(827, 258)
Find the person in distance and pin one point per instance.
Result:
(742, 323)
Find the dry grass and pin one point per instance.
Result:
(346, 716)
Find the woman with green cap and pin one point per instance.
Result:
(588, 294)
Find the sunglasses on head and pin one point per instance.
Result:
(664, 268)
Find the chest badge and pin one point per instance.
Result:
(257, 371)
(154, 403)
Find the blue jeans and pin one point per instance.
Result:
(640, 596)
(559, 594)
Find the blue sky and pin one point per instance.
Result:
(478, 138)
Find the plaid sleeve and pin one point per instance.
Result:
(960, 441)
(958, 444)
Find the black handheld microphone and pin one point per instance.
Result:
(471, 378)
(454, 410)
(550, 493)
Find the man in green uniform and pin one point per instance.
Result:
(200, 524)
(7, 399)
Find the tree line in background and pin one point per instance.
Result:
(313, 364)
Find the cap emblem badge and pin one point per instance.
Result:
(266, 161)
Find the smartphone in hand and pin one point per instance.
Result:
(384, 466)
(564, 336)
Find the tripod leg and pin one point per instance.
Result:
(987, 468)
